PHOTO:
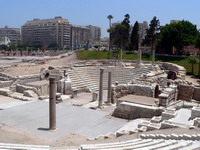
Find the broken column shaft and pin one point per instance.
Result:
(52, 103)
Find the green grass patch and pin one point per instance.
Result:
(89, 55)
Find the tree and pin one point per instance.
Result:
(126, 23)
(197, 45)
(120, 33)
(178, 35)
(152, 31)
(192, 61)
(135, 36)
(53, 46)
(3, 47)
(110, 17)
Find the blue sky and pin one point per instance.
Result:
(15, 13)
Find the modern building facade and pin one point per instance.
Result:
(174, 21)
(95, 33)
(13, 34)
(143, 29)
(46, 32)
(79, 36)
(4, 40)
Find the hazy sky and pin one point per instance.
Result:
(14, 13)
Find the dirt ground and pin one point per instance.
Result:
(27, 69)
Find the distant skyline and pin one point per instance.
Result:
(15, 13)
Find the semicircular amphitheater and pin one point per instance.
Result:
(104, 104)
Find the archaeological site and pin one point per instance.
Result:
(59, 102)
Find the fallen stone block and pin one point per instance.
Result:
(120, 133)
(30, 93)
(110, 135)
(100, 137)
(5, 92)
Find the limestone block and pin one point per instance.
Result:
(185, 92)
(100, 137)
(94, 96)
(196, 95)
(5, 92)
(187, 137)
(143, 136)
(67, 88)
(174, 137)
(30, 93)
(195, 112)
(152, 136)
(120, 133)
(60, 86)
(110, 135)
(197, 122)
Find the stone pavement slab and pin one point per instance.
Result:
(33, 118)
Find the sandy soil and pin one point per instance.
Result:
(27, 69)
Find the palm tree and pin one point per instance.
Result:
(110, 17)
(193, 60)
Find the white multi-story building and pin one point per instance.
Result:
(95, 33)
(79, 36)
(13, 34)
(45, 32)
(143, 29)
(4, 40)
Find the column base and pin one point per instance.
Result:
(53, 130)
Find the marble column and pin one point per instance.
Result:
(109, 87)
(101, 87)
(52, 103)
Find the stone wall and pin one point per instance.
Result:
(29, 78)
(185, 92)
(127, 110)
(121, 90)
(196, 94)
(168, 95)
(21, 88)
(4, 84)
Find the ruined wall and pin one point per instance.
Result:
(21, 88)
(4, 84)
(196, 94)
(121, 90)
(185, 92)
(29, 78)
(181, 72)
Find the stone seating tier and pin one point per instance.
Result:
(145, 144)
(90, 75)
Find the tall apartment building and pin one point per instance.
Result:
(13, 34)
(143, 29)
(95, 33)
(79, 36)
(47, 31)
(174, 21)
